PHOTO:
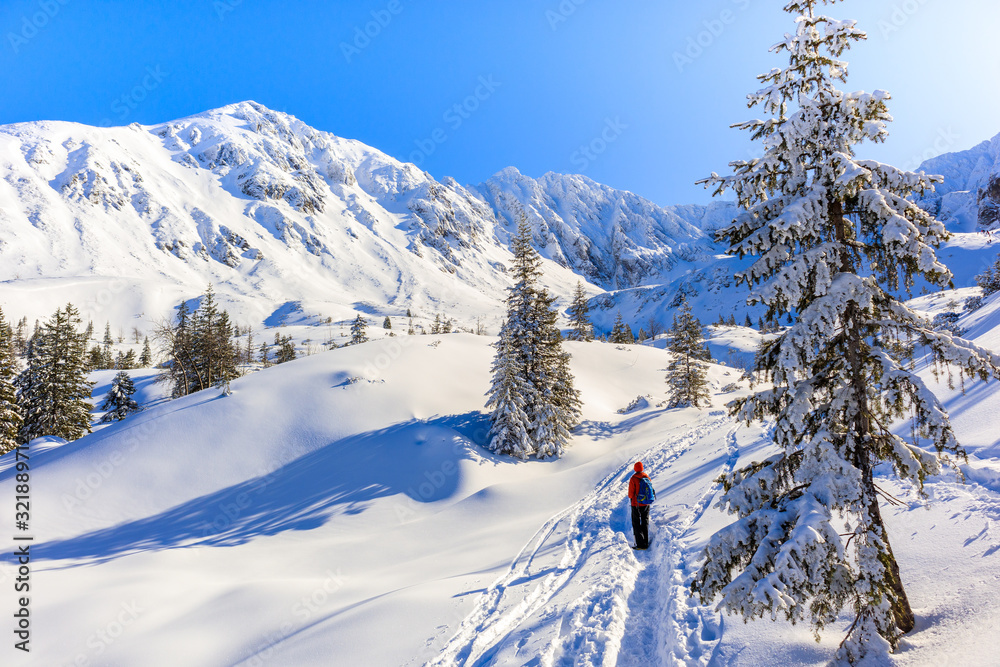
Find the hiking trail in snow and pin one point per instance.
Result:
(577, 594)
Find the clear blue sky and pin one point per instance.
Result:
(561, 74)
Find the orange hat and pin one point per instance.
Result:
(638, 466)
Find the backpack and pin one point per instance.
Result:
(646, 495)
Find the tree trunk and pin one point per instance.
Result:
(893, 584)
(900, 604)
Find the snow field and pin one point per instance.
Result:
(339, 509)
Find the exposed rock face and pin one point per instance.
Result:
(989, 204)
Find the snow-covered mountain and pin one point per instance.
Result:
(614, 238)
(283, 217)
(969, 198)
(269, 209)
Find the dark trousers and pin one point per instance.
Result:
(640, 525)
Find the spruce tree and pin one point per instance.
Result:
(286, 349)
(358, 334)
(118, 403)
(510, 425)
(53, 391)
(687, 372)
(201, 349)
(146, 358)
(10, 412)
(579, 316)
(620, 334)
(534, 405)
(107, 359)
(835, 238)
(21, 337)
(387, 323)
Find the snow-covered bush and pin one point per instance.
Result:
(973, 303)
(947, 322)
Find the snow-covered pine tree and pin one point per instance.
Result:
(10, 413)
(387, 323)
(833, 235)
(510, 426)
(534, 405)
(989, 280)
(579, 316)
(687, 372)
(358, 334)
(557, 406)
(53, 390)
(118, 403)
(107, 358)
(146, 358)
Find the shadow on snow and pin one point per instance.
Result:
(417, 459)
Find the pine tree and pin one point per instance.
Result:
(387, 323)
(201, 349)
(118, 403)
(510, 425)
(358, 334)
(989, 280)
(95, 358)
(265, 355)
(286, 349)
(748, 323)
(687, 372)
(534, 405)
(107, 359)
(21, 337)
(579, 316)
(10, 412)
(835, 238)
(125, 361)
(409, 330)
(146, 358)
(620, 334)
(436, 326)
(53, 391)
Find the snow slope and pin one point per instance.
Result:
(339, 509)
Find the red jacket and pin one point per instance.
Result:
(633, 487)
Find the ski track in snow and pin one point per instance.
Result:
(522, 618)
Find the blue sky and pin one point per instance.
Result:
(638, 94)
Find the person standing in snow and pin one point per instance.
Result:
(640, 511)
